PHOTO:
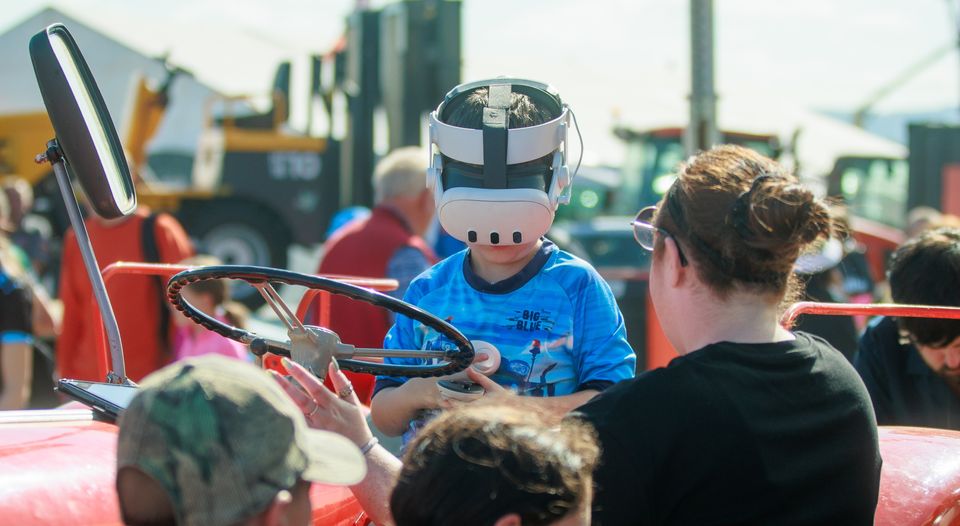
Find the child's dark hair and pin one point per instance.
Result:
(926, 271)
(476, 464)
(744, 218)
(467, 112)
(219, 289)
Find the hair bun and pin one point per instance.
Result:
(780, 216)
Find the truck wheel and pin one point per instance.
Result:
(240, 236)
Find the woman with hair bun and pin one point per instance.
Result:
(751, 424)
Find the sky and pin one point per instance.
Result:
(612, 60)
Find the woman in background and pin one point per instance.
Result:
(25, 312)
(212, 297)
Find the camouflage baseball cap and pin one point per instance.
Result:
(222, 438)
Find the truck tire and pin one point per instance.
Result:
(241, 235)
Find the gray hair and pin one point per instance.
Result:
(403, 172)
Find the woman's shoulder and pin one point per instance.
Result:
(644, 395)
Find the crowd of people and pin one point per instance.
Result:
(752, 423)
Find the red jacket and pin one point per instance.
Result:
(363, 249)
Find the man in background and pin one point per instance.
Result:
(911, 366)
(387, 244)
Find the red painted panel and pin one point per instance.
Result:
(63, 472)
(920, 483)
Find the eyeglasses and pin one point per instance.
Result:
(644, 231)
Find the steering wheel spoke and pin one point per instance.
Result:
(279, 306)
(315, 347)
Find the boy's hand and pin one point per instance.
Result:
(423, 392)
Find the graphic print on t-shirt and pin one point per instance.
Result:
(534, 359)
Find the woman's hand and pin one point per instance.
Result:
(339, 412)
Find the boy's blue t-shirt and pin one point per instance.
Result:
(556, 323)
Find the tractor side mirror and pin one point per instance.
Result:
(84, 129)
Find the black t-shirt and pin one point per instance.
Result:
(839, 331)
(904, 390)
(778, 433)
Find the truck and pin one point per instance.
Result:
(255, 187)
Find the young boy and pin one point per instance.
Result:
(499, 170)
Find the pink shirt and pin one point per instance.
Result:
(188, 342)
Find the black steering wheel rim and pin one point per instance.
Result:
(455, 359)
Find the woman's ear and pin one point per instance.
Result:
(676, 272)
(508, 520)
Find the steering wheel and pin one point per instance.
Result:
(313, 347)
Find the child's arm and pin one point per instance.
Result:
(393, 408)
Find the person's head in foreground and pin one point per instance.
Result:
(214, 441)
(926, 271)
(499, 165)
(728, 232)
(497, 466)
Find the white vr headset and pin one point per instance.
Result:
(493, 202)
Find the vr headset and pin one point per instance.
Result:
(492, 194)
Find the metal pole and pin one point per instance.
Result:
(118, 374)
(701, 132)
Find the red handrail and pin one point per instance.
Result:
(877, 309)
(378, 284)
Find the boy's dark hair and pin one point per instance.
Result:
(476, 464)
(467, 112)
(926, 271)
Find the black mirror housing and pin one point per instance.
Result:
(82, 123)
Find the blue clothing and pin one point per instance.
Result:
(555, 323)
(447, 245)
(404, 265)
(903, 388)
(16, 308)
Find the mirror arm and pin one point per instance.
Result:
(54, 156)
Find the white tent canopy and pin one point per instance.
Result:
(116, 65)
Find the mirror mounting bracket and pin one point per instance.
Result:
(53, 154)
(117, 373)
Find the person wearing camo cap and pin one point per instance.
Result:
(214, 441)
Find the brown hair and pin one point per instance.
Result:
(744, 218)
(926, 271)
(219, 289)
(475, 464)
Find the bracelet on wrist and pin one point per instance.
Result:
(364, 449)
